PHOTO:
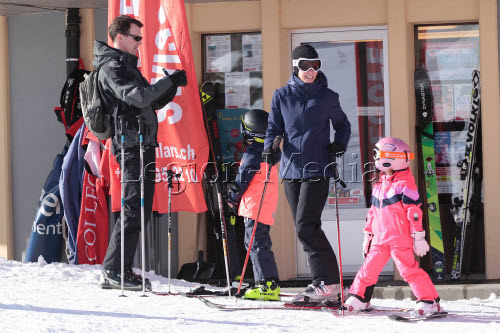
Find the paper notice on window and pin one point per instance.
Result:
(252, 53)
(462, 96)
(443, 102)
(237, 90)
(218, 53)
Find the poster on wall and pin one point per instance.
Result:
(443, 102)
(218, 53)
(252, 52)
(229, 121)
(237, 90)
(448, 147)
(451, 60)
(462, 99)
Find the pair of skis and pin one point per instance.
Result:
(468, 170)
(330, 307)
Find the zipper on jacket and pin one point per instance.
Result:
(302, 136)
(399, 223)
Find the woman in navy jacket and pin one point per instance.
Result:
(302, 112)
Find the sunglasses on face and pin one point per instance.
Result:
(136, 38)
(305, 64)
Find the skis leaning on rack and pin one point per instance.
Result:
(425, 138)
(215, 175)
(469, 174)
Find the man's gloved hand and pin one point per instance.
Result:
(336, 149)
(271, 156)
(179, 78)
(366, 243)
(234, 205)
(420, 245)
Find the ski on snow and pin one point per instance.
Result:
(435, 315)
(279, 306)
(425, 136)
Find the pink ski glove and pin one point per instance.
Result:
(420, 245)
(366, 243)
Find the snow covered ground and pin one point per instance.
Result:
(36, 297)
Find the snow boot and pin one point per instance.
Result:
(355, 303)
(111, 280)
(425, 307)
(129, 273)
(319, 293)
(265, 291)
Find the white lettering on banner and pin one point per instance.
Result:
(187, 173)
(175, 117)
(49, 201)
(89, 235)
(134, 9)
(161, 40)
(51, 229)
(187, 153)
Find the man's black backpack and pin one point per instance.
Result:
(70, 110)
(95, 116)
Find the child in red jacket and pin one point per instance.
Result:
(394, 229)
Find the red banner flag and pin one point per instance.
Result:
(183, 146)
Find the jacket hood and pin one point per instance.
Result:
(310, 90)
(103, 52)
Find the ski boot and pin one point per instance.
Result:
(319, 293)
(111, 280)
(265, 291)
(355, 303)
(426, 307)
(129, 273)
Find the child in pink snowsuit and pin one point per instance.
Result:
(394, 229)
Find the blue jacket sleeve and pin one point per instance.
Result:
(340, 124)
(276, 124)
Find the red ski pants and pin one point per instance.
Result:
(403, 257)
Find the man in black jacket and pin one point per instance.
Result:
(125, 92)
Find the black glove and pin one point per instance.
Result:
(271, 156)
(336, 149)
(234, 205)
(179, 78)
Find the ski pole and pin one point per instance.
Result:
(275, 146)
(170, 176)
(122, 210)
(140, 120)
(337, 179)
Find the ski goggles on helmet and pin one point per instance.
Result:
(304, 64)
(251, 136)
(378, 154)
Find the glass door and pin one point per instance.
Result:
(355, 62)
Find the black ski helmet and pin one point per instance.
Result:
(254, 125)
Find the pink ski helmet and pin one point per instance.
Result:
(392, 153)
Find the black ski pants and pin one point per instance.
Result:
(307, 199)
(132, 208)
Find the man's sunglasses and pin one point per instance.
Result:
(136, 38)
(304, 64)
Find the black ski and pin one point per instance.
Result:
(435, 315)
(425, 139)
(215, 176)
(468, 169)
